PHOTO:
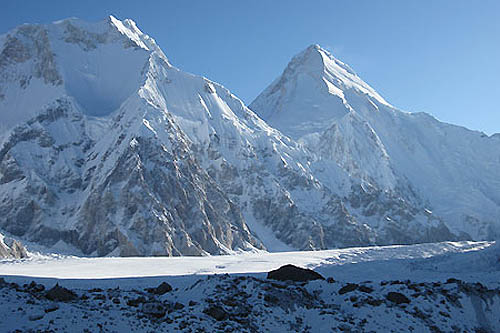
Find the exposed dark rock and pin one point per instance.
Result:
(135, 302)
(348, 288)
(452, 280)
(154, 309)
(51, 308)
(36, 316)
(294, 273)
(178, 306)
(374, 302)
(216, 312)
(161, 289)
(268, 298)
(34, 287)
(58, 293)
(397, 298)
(396, 282)
(365, 289)
(192, 303)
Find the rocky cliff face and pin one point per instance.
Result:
(107, 149)
(11, 248)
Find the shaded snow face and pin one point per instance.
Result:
(100, 78)
(101, 65)
(100, 82)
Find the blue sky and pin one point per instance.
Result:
(441, 57)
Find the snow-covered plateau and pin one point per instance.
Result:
(439, 287)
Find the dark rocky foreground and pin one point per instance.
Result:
(243, 303)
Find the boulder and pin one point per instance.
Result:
(365, 289)
(153, 309)
(397, 298)
(348, 288)
(34, 287)
(61, 294)
(294, 273)
(51, 307)
(36, 316)
(161, 289)
(178, 306)
(136, 301)
(216, 312)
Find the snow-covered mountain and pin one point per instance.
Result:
(92, 162)
(450, 171)
(108, 149)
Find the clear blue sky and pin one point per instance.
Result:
(441, 57)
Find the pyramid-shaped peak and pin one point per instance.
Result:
(321, 69)
(309, 59)
(315, 48)
(315, 57)
(314, 90)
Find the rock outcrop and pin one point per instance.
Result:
(294, 273)
(11, 249)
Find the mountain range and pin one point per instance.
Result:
(107, 149)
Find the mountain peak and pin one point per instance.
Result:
(310, 59)
(313, 49)
(314, 90)
(315, 57)
(99, 64)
